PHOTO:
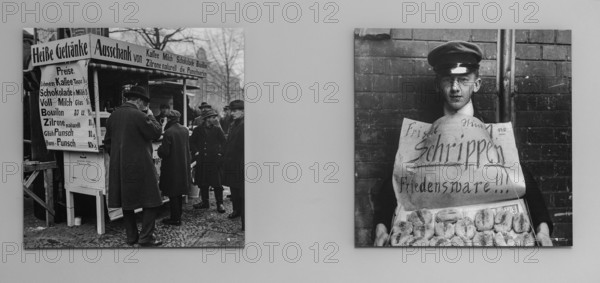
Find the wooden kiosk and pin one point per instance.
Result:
(82, 81)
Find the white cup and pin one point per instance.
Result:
(77, 221)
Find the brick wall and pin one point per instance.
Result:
(543, 119)
(393, 81)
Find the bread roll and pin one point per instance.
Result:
(419, 242)
(521, 223)
(525, 240)
(448, 215)
(484, 220)
(458, 241)
(503, 221)
(439, 242)
(405, 227)
(423, 231)
(483, 239)
(444, 229)
(397, 239)
(405, 240)
(400, 233)
(421, 216)
(465, 228)
(503, 239)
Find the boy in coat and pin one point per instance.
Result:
(207, 147)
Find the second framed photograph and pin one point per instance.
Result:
(462, 137)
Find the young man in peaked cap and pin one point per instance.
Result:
(456, 65)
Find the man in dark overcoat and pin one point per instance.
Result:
(207, 147)
(175, 165)
(132, 176)
(233, 163)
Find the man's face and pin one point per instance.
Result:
(458, 89)
(163, 111)
(210, 121)
(144, 104)
(237, 113)
(138, 102)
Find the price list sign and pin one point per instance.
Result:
(65, 107)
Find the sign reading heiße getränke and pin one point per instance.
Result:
(91, 46)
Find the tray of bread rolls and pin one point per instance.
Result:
(500, 224)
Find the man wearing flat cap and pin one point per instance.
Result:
(175, 165)
(233, 165)
(456, 65)
(207, 149)
(132, 176)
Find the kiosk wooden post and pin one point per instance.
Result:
(184, 104)
(97, 106)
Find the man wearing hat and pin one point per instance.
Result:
(175, 165)
(456, 65)
(233, 164)
(207, 148)
(203, 108)
(162, 116)
(132, 176)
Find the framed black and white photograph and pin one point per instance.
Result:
(462, 137)
(133, 137)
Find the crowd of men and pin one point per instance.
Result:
(215, 151)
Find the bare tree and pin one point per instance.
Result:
(158, 38)
(225, 53)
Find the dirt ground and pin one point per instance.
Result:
(200, 228)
